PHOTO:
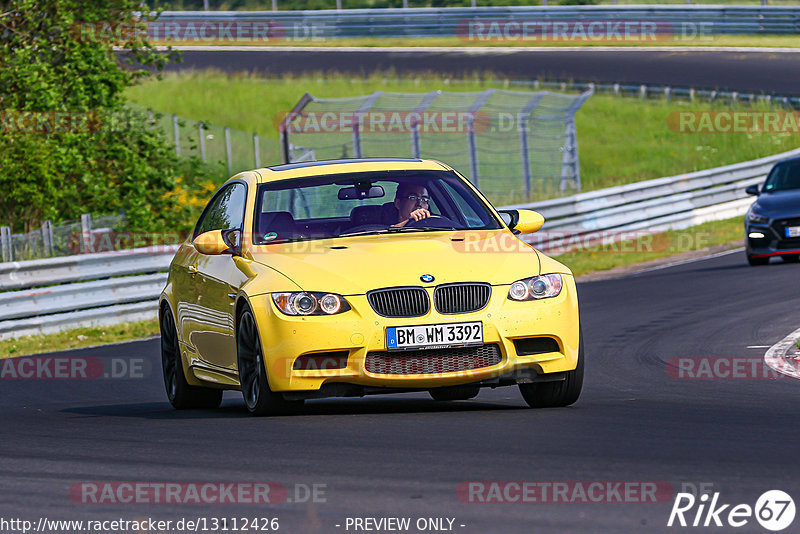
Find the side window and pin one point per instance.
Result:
(472, 217)
(225, 211)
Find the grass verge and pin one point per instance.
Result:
(653, 246)
(78, 338)
(756, 41)
(621, 140)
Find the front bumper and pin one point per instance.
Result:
(361, 331)
(772, 244)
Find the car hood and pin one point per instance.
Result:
(779, 204)
(355, 265)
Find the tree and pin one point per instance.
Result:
(67, 144)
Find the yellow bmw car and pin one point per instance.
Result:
(358, 277)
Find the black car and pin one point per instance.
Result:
(772, 224)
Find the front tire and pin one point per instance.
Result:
(556, 394)
(258, 397)
(181, 395)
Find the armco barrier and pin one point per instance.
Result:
(55, 294)
(681, 20)
(654, 205)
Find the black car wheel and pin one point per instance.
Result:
(555, 394)
(258, 397)
(181, 395)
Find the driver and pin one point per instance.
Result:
(412, 203)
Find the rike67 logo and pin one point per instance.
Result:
(774, 510)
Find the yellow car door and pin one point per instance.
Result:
(217, 281)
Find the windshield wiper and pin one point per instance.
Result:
(393, 229)
(365, 232)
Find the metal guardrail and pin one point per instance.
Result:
(55, 294)
(668, 203)
(680, 20)
(655, 205)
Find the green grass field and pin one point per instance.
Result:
(78, 338)
(621, 140)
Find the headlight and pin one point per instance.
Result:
(538, 287)
(303, 303)
(754, 217)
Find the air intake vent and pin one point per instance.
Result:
(399, 301)
(461, 298)
(433, 361)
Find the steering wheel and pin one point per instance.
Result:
(433, 220)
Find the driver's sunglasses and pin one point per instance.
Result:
(420, 199)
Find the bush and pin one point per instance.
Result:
(67, 144)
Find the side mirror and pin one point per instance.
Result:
(217, 242)
(752, 190)
(522, 221)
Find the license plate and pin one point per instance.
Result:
(434, 336)
(793, 231)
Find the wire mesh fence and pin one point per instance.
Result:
(513, 144)
(65, 239)
(231, 150)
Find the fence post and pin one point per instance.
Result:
(274, 5)
(201, 135)
(416, 149)
(86, 233)
(228, 150)
(176, 134)
(359, 115)
(668, 93)
(522, 126)
(643, 91)
(47, 237)
(5, 241)
(256, 151)
(471, 143)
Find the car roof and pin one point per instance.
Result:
(342, 166)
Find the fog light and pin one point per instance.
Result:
(755, 235)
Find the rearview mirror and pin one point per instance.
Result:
(217, 242)
(752, 190)
(353, 193)
(522, 221)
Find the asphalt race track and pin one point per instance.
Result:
(406, 455)
(770, 72)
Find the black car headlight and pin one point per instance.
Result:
(305, 303)
(755, 218)
(538, 287)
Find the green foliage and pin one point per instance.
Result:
(67, 145)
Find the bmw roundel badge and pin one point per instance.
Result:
(427, 278)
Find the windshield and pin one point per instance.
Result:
(363, 203)
(783, 176)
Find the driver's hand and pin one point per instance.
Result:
(420, 214)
